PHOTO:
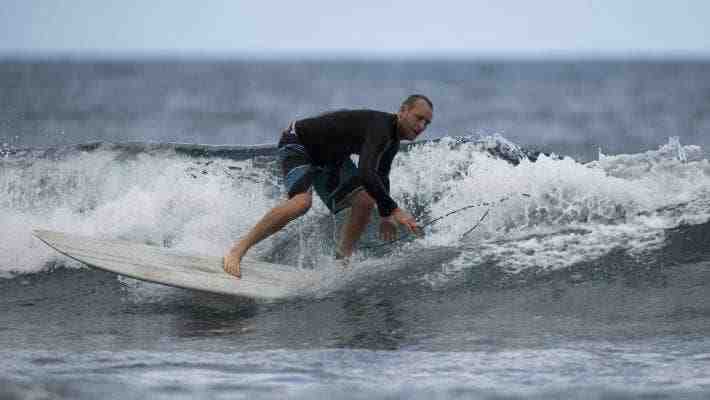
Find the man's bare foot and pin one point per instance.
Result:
(342, 260)
(342, 263)
(232, 263)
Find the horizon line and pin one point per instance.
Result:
(550, 55)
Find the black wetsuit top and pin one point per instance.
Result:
(331, 138)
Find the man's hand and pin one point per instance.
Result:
(388, 226)
(232, 264)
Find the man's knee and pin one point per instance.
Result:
(301, 203)
(364, 201)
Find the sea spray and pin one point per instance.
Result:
(572, 211)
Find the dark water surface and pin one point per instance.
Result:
(622, 106)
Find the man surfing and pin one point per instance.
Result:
(315, 153)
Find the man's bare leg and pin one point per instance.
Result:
(360, 213)
(272, 222)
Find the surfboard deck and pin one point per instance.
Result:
(260, 280)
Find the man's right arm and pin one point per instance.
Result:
(371, 156)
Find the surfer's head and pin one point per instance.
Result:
(414, 116)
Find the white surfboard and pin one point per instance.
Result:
(260, 280)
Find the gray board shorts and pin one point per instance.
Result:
(335, 186)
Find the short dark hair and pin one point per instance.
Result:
(409, 101)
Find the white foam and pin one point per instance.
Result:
(554, 213)
(630, 369)
(548, 214)
(149, 199)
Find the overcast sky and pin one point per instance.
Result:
(364, 27)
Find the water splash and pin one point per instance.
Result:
(202, 200)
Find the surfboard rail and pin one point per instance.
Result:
(260, 280)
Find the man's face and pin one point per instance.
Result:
(414, 120)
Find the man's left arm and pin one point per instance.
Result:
(374, 162)
(388, 228)
(385, 166)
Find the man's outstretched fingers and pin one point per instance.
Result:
(410, 223)
(416, 230)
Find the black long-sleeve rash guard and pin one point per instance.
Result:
(331, 138)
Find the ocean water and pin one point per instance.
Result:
(586, 274)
